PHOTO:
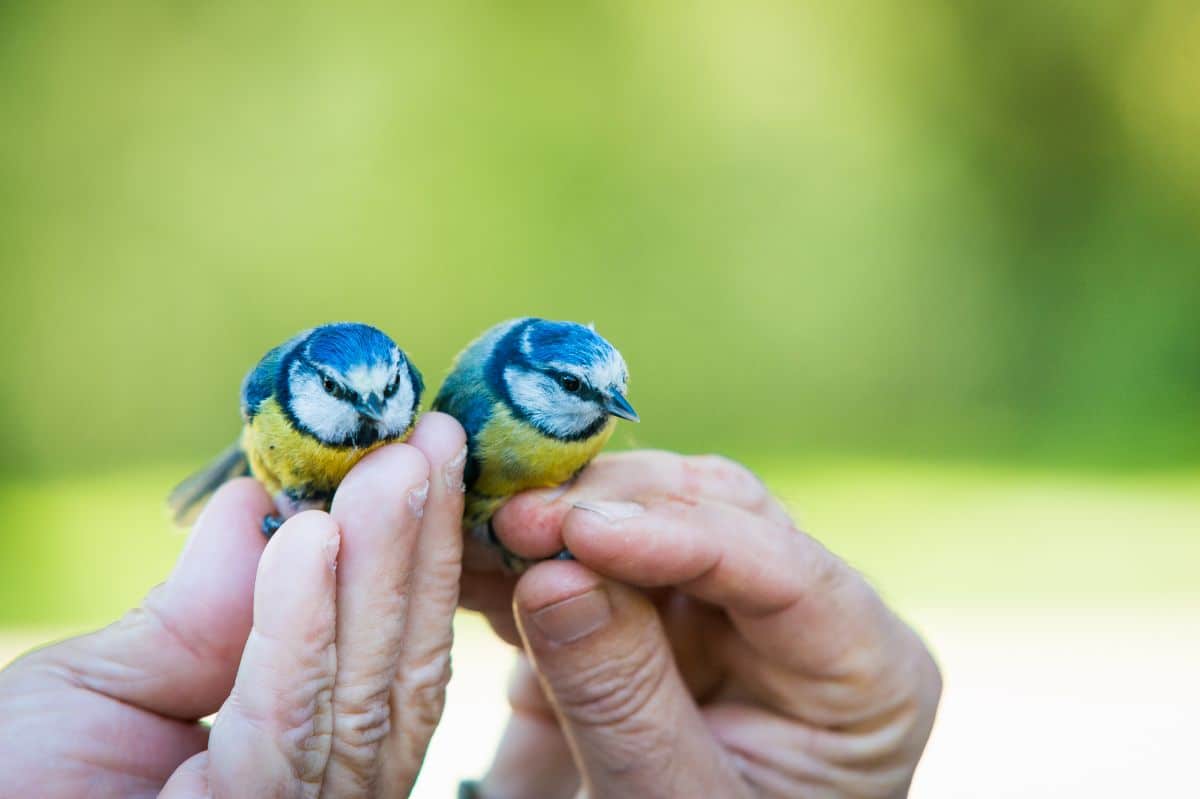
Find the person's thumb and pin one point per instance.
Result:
(601, 653)
(177, 654)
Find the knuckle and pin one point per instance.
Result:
(301, 729)
(362, 719)
(423, 688)
(617, 692)
(735, 477)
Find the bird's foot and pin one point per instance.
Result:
(270, 523)
(564, 554)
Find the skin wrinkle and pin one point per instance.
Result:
(93, 680)
(867, 681)
(197, 649)
(876, 689)
(608, 695)
(427, 676)
(361, 722)
(68, 672)
(800, 767)
(289, 663)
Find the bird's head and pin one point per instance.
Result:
(563, 378)
(349, 384)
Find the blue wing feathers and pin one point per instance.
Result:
(467, 394)
(261, 381)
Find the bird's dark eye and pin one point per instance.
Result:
(330, 386)
(393, 386)
(569, 382)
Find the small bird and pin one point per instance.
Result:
(313, 407)
(538, 400)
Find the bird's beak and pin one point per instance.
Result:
(617, 405)
(371, 408)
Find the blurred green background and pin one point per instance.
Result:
(932, 267)
(961, 234)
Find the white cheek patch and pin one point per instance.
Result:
(548, 405)
(398, 411)
(328, 417)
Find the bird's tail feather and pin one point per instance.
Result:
(188, 497)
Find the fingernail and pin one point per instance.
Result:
(331, 548)
(417, 497)
(612, 511)
(454, 472)
(574, 618)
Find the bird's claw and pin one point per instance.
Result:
(270, 523)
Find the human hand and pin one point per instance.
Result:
(748, 661)
(326, 650)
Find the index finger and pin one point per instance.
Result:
(793, 601)
(530, 524)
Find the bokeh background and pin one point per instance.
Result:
(932, 268)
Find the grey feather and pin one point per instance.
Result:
(188, 497)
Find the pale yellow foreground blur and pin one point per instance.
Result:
(1037, 704)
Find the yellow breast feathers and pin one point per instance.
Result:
(286, 459)
(513, 456)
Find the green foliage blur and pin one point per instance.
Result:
(930, 230)
(927, 228)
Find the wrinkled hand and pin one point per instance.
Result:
(326, 651)
(748, 662)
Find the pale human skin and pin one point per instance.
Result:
(747, 662)
(326, 650)
(700, 645)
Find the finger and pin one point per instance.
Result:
(793, 601)
(437, 565)
(607, 669)
(190, 780)
(424, 669)
(533, 758)
(178, 653)
(272, 736)
(378, 508)
(530, 524)
(490, 593)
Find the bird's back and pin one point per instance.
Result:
(466, 393)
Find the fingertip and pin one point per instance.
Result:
(296, 574)
(397, 462)
(530, 524)
(391, 471)
(551, 582)
(242, 490)
(291, 552)
(222, 552)
(190, 779)
(438, 435)
(239, 503)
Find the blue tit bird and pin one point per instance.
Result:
(312, 407)
(538, 400)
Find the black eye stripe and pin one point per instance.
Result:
(333, 388)
(393, 386)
